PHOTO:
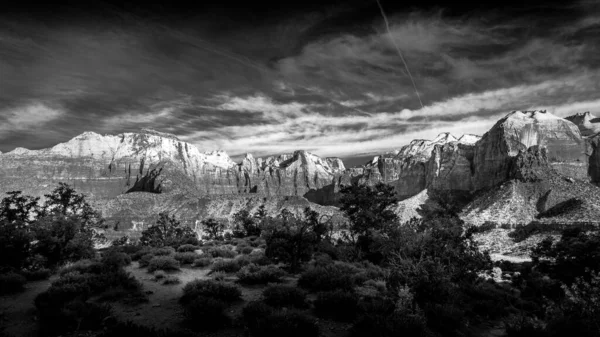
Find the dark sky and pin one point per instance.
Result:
(273, 77)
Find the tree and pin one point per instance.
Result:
(575, 255)
(63, 238)
(167, 231)
(368, 208)
(66, 201)
(15, 243)
(290, 239)
(214, 228)
(18, 207)
(245, 224)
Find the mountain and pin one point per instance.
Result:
(588, 124)
(526, 167)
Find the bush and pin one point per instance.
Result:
(163, 263)
(159, 275)
(164, 251)
(338, 305)
(11, 283)
(221, 252)
(209, 288)
(37, 274)
(187, 248)
(284, 296)
(245, 250)
(253, 274)
(260, 320)
(226, 266)
(206, 313)
(141, 252)
(260, 259)
(186, 257)
(116, 259)
(144, 261)
(202, 262)
(167, 231)
(326, 278)
(70, 316)
(170, 279)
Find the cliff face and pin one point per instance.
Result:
(519, 131)
(588, 124)
(107, 168)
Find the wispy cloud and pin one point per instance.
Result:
(29, 118)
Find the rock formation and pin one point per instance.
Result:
(588, 124)
(525, 147)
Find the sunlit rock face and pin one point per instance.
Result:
(521, 130)
(588, 124)
(298, 174)
(104, 166)
(405, 169)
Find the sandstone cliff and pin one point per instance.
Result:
(109, 168)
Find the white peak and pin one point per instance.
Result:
(537, 115)
(469, 139)
(20, 151)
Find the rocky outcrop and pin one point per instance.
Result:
(521, 130)
(587, 123)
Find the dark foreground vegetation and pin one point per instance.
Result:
(374, 277)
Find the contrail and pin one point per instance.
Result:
(387, 26)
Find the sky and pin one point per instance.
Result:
(273, 77)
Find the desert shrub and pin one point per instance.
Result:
(391, 324)
(167, 231)
(144, 261)
(218, 276)
(144, 250)
(339, 305)
(243, 260)
(253, 274)
(37, 274)
(202, 262)
(170, 279)
(12, 283)
(284, 296)
(327, 278)
(166, 263)
(164, 251)
(65, 305)
(226, 266)
(245, 250)
(186, 257)
(206, 313)
(159, 275)
(221, 252)
(261, 320)
(209, 288)
(260, 259)
(115, 258)
(187, 248)
(72, 315)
